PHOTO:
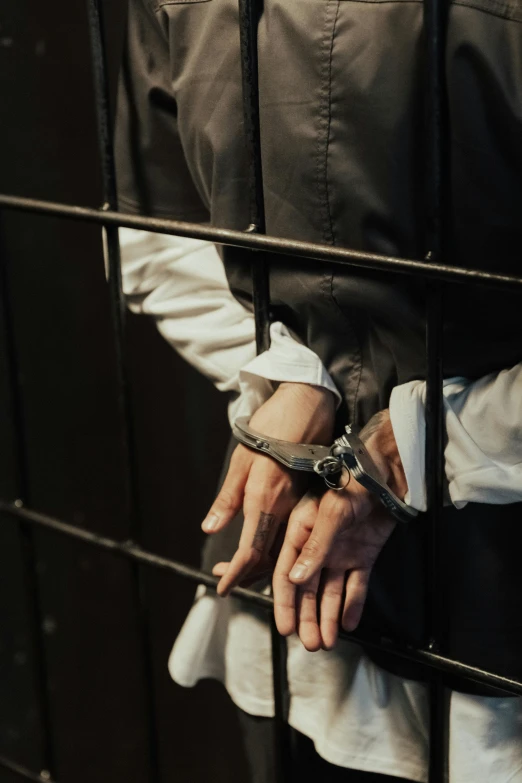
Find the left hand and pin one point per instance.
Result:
(266, 490)
(331, 545)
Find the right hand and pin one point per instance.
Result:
(266, 490)
(331, 544)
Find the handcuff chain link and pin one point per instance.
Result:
(328, 465)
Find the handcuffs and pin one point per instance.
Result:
(348, 452)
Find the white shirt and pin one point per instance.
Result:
(358, 715)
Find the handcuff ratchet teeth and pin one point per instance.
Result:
(347, 452)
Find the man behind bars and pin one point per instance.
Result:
(343, 148)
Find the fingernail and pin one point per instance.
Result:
(221, 591)
(210, 523)
(298, 572)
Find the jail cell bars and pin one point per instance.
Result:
(253, 240)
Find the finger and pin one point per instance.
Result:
(330, 605)
(242, 563)
(307, 620)
(220, 568)
(334, 512)
(275, 548)
(284, 591)
(230, 498)
(299, 525)
(262, 571)
(355, 598)
(265, 506)
(257, 537)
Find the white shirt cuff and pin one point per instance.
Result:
(483, 459)
(409, 427)
(286, 360)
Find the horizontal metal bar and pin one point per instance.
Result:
(24, 772)
(288, 247)
(134, 552)
(127, 549)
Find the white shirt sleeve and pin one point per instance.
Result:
(182, 284)
(483, 421)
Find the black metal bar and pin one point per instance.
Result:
(24, 772)
(26, 533)
(439, 723)
(439, 699)
(111, 246)
(118, 305)
(261, 300)
(282, 736)
(437, 208)
(287, 247)
(436, 233)
(249, 15)
(132, 551)
(128, 549)
(102, 98)
(434, 469)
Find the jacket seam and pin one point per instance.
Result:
(498, 9)
(325, 117)
(359, 362)
(322, 149)
(329, 125)
(159, 4)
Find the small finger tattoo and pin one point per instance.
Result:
(262, 531)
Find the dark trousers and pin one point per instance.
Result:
(307, 765)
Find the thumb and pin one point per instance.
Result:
(230, 498)
(315, 552)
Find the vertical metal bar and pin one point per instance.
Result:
(39, 660)
(112, 260)
(435, 20)
(282, 738)
(439, 696)
(249, 16)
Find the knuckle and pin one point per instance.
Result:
(313, 548)
(256, 494)
(300, 516)
(280, 579)
(286, 482)
(332, 592)
(339, 507)
(226, 499)
(267, 486)
(238, 455)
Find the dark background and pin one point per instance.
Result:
(54, 276)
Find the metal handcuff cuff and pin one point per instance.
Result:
(347, 452)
